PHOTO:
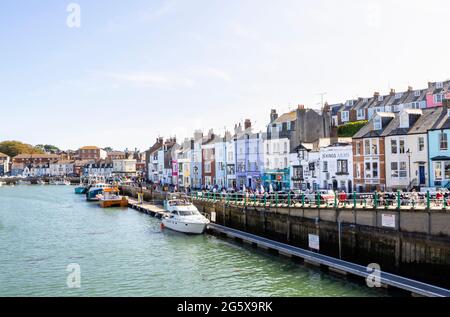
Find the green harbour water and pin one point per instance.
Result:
(122, 252)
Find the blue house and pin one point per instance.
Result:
(439, 150)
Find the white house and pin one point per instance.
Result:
(336, 167)
(4, 164)
(37, 170)
(276, 163)
(104, 170)
(406, 146)
(126, 167)
(220, 150)
(61, 168)
(230, 145)
(305, 168)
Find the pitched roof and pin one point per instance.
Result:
(36, 156)
(368, 130)
(286, 117)
(90, 147)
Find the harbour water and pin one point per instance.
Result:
(121, 252)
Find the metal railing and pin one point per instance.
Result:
(376, 200)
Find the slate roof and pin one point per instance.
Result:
(367, 131)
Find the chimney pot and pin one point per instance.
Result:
(247, 124)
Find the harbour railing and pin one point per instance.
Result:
(336, 200)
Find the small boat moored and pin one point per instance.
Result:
(95, 190)
(111, 198)
(184, 217)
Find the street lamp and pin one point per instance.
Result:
(409, 164)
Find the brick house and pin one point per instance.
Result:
(369, 154)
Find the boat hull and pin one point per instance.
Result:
(189, 228)
(91, 195)
(80, 190)
(114, 203)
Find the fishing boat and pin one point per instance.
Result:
(183, 217)
(111, 198)
(95, 190)
(80, 190)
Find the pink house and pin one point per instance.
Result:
(437, 93)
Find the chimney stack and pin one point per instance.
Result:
(392, 91)
(376, 94)
(247, 124)
(410, 88)
(301, 107)
(273, 115)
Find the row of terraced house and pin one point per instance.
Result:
(88, 161)
(403, 144)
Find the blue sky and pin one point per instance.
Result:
(139, 69)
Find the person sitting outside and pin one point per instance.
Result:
(342, 198)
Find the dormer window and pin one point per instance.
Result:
(398, 95)
(361, 114)
(380, 98)
(437, 98)
(377, 125)
(448, 113)
(345, 116)
(417, 93)
(439, 85)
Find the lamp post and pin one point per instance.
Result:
(409, 164)
(196, 174)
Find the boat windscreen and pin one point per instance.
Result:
(187, 212)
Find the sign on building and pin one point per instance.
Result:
(314, 242)
(388, 220)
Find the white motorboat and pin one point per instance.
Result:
(61, 182)
(184, 217)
